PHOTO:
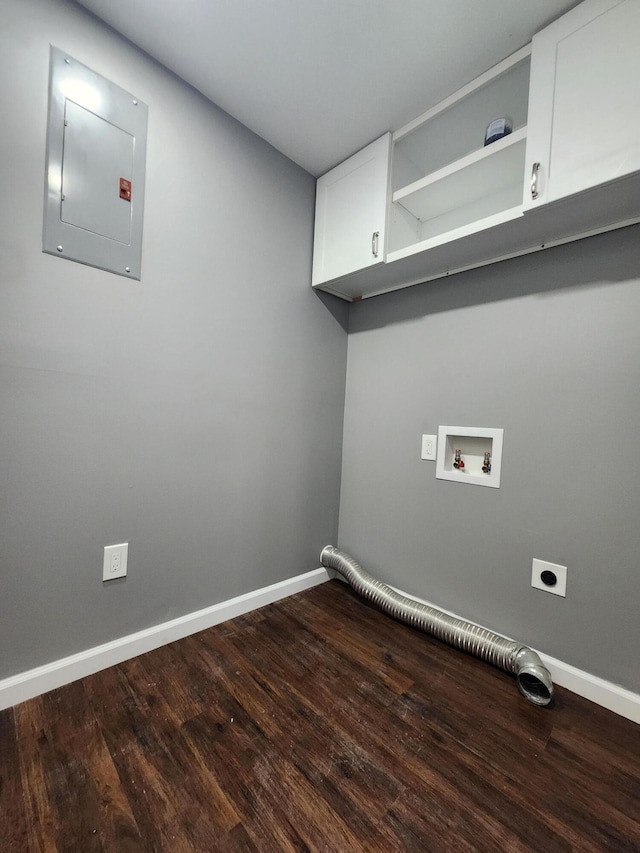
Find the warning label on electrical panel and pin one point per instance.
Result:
(125, 189)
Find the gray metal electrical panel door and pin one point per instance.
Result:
(94, 191)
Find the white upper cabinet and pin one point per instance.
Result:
(448, 202)
(584, 101)
(351, 213)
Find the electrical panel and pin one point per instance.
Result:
(94, 189)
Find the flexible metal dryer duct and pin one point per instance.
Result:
(534, 679)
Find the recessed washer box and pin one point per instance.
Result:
(95, 171)
(472, 443)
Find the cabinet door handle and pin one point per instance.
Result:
(374, 243)
(534, 180)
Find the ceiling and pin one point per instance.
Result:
(319, 79)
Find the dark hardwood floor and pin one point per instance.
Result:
(314, 724)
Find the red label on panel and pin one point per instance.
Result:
(125, 189)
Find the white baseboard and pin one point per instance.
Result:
(34, 682)
(605, 693)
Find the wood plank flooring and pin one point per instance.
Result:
(314, 724)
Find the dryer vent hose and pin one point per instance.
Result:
(534, 679)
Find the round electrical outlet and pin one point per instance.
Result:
(548, 578)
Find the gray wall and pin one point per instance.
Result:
(196, 414)
(547, 347)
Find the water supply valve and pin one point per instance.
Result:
(486, 465)
(458, 461)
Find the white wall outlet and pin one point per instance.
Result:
(429, 445)
(549, 577)
(115, 561)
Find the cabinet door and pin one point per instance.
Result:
(351, 213)
(584, 101)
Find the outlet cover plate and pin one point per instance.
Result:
(115, 561)
(560, 572)
(429, 447)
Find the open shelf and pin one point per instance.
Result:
(479, 174)
(446, 184)
(467, 195)
(473, 225)
(450, 131)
